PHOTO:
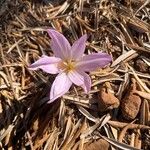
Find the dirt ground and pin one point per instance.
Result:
(114, 115)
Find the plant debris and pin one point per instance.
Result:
(120, 92)
(97, 145)
(107, 100)
(131, 103)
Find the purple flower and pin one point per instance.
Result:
(70, 63)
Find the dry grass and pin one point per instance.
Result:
(76, 121)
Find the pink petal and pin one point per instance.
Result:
(59, 44)
(47, 64)
(60, 86)
(80, 79)
(93, 61)
(78, 47)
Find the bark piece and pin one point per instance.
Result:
(107, 100)
(130, 105)
(97, 145)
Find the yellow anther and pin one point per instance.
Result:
(67, 65)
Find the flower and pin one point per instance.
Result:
(70, 63)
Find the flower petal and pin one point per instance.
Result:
(78, 47)
(60, 86)
(47, 64)
(59, 44)
(93, 61)
(80, 79)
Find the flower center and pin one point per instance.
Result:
(66, 65)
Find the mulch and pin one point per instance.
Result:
(114, 115)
